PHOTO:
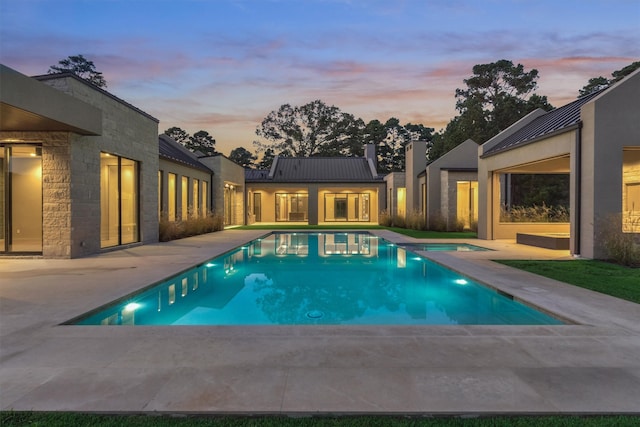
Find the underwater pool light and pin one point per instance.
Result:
(132, 306)
(461, 282)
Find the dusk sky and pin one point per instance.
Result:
(223, 65)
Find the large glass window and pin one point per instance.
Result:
(195, 204)
(467, 203)
(534, 197)
(346, 207)
(292, 207)
(21, 198)
(171, 196)
(119, 201)
(184, 199)
(204, 199)
(159, 195)
(257, 206)
(631, 191)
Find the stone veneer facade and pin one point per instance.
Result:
(71, 170)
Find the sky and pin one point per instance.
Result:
(224, 65)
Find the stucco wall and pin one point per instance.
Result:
(227, 172)
(415, 163)
(610, 123)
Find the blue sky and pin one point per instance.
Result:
(223, 65)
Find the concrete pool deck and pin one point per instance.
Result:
(589, 367)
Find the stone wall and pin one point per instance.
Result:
(127, 132)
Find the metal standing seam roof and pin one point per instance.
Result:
(562, 118)
(171, 150)
(256, 174)
(319, 169)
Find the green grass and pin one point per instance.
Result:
(611, 279)
(11, 419)
(419, 234)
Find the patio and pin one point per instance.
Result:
(588, 367)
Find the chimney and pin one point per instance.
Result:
(370, 154)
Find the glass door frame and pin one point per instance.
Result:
(7, 205)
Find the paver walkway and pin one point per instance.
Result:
(592, 366)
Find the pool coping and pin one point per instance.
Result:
(592, 366)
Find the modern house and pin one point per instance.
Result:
(316, 190)
(595, 142)
(78, 168)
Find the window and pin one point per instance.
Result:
(402, 203)
(257, 206)
(119, 200)
(467, 203)
(195, 206)
(160, 195)
(171, 196)
(292, 207)
(346, 207)
(184, 199)
(631, 191)
(203, 205)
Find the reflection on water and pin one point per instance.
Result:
(328, 278)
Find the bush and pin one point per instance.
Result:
(437, 222)
(192, 226)
(542, 213)
(622, 248)
(384, 219)
(416, 221)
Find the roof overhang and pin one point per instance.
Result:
(27, 105)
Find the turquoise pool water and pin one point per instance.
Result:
(455, 247)
(318, 278)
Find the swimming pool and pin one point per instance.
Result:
(318, 278)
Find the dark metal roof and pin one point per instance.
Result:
(171, 150)
(561, 119)
(321, 169)
(255, 174)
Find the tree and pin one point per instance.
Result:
(267, 159)
(496, 96)
(243, 157)
(202, 142)
(80, 66)
(598, 83)
(178, 135)
(310, 130)
(391, 139)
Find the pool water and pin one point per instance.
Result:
(455, 247)
(318, 278)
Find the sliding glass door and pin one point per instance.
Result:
(21, 198)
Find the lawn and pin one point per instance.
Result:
(11, 419)
(418, 234)
(611, 279)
